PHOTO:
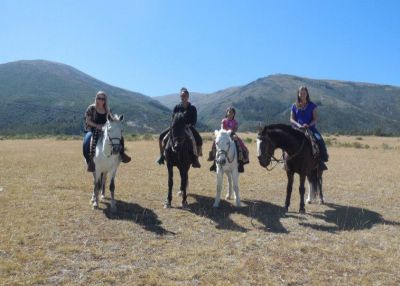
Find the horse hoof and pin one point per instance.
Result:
(179, 193)
(185, 205)
(322, 202)
(102, 197)
(228, 198)
(167, 205)
(308, 201)
(95, 206)
(302, 211)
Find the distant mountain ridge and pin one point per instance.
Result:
(42, 97)
(343, 106)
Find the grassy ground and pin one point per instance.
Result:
(50, 235)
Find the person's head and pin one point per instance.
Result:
(230, 113)
(302, 95)
(101, 100)
(184, 95)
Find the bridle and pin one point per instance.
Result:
(226, 152)
(114, 146)
(282, 159)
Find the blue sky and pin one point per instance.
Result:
(155, 47)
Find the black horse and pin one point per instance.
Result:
(299, 158)
(178, 153)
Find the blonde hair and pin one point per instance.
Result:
(100, 92)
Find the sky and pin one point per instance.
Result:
(157, 46)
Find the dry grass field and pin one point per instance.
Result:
(50, 235)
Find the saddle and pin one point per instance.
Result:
(314, 145)
(167, 140)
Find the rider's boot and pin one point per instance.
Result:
(195, 162)
(161, 159)
(124, 157)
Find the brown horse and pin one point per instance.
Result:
(299, 158)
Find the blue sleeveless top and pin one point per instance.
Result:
(305, 115)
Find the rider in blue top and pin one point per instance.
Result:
(304, 115)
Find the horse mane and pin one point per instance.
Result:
(282, 128)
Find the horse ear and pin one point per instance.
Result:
(121, 118)
(259, 128)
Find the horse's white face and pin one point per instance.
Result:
(113, 130)
(223, 144)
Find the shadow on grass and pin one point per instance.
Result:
(267, 214)
(136, 214)
(347, 218)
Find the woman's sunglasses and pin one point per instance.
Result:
(100, 98)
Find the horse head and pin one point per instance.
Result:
(265, 147)
(223, 144)
(113, 132)
(178, 133)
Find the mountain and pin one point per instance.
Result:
(343, 106)
(42, 97)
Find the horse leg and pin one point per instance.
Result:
(103, 188)
(167, 203)
(97, 187)
(112, 189)
(302, 191)
(220, 178)
(319, 184)
(187, 187)
(289, 187)
(235, 175)
(184, 181)
(230, 186)
(312, 187)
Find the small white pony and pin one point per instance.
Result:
(107, 159)
(227, 162)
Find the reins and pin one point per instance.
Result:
(282, 159)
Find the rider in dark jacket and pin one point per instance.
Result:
(190, 114)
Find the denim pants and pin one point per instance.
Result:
(86, 145)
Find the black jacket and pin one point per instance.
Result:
(190, 113)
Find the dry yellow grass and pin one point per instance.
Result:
(50, 235)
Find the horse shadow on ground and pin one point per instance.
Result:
(269, 215)
(135, 213)
(345, 218)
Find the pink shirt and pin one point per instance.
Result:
(229, 124)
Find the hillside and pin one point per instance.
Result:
(41, 97)
(345, 107)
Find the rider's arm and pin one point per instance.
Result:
(315, 118)
(293, 120)
(88, 118)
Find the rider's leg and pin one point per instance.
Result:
(92, 151)
(211, 157)
(160, 159)
(124, 157)
(195, 159)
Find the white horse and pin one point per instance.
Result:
(107, 159)
(227, 162)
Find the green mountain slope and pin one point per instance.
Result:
(41, 97)
(346, 107)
